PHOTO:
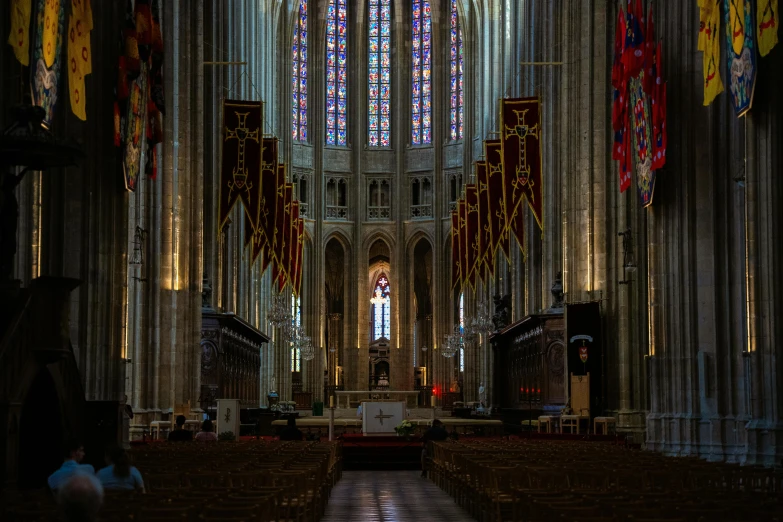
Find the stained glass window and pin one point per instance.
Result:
(456, 111)
(462, 331)
(296, 313)
(299, 76)
(381, 308)
(379, 74)
(421, 108)
(336, 73)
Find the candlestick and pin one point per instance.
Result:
(331, 401)
(432, 401)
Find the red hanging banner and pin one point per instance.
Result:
(240, 174)
(496, 189)
(521, 144)
(456, 264)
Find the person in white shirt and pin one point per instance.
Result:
(207, 432)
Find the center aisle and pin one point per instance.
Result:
(390, 496)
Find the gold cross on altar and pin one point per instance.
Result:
(241, 133)
(522, 131)
(381, 416)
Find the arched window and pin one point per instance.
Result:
(296, 313)
(456, 111)
(379, 74)
(462, 331)
(299, 76)
(421, 60)
(336, 73)
(381, 308)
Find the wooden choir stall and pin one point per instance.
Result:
(530, 358)
(230, 360)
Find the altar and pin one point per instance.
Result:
(344, 397)
(380, 418)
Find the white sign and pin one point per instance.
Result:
(380, 418)
(228, 416)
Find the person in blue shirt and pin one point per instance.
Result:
(74, 453)
(119, 474)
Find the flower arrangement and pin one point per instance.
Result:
(404, 429)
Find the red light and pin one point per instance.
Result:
(539, 390)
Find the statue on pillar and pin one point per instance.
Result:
(502, 311)
(557, 293)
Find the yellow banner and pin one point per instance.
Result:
(737, 25)
(709, 42)
(767, 23)
(82, 26)
(19, 37)
(50, 31)
(75, 74)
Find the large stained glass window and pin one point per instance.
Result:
(379, 75)
(456, 111)
(381, 308)
(462, 331)
(421, 125)
(336, 73)
(299, 76)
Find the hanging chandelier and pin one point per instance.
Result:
(280, 312)
(454, 342)
(482, 324)
(307, 349)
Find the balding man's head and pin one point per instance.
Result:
(80, 498)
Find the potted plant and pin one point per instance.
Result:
(226, 436)
(404, 429)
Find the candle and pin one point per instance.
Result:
(331, 401)
(432, 401)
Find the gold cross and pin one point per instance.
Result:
(381, 416)
(241, 133)
(522, 131)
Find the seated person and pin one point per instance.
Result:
(435, 432)
(207, 432)
(119, 474)
(291, 432)
(74, 453)
(80, 498)
(180, 434)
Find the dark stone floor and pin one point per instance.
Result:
(390, 496)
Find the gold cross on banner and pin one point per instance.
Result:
(241, 133)
(522, 131)
(381, 416)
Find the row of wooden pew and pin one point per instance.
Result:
(232, 481)
(535, 480)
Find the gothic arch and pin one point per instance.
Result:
(384, 236)
(419, 233)
(340, 236)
